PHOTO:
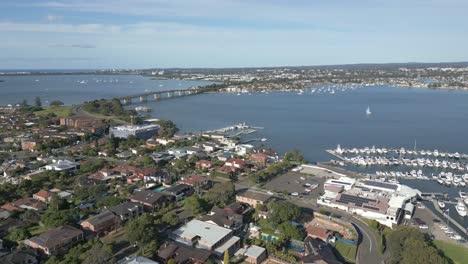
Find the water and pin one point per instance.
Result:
(68, 89)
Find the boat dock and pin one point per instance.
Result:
(451, 220)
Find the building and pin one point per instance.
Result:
(127, 210)
(253, 254)
(179, 191)
(43, 196)
(27, 203)
(63, 165)
(204, 165)
(319, 232)
(381, 201)
(224, 217)
(143, 132)
(318, 252)
(137, 260)
(29, 144)
(207, 236)
(150, 200)
(20, 256)
(197, 182)
(102, 223)
(252, 197)
(56, 240)
(181, 253)
(260, 159)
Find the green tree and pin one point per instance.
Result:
(56, 103)
(226, 257)
(110, 201)
(171, 261)
(290, 231)
(221, 194)
(140, 230)
(170, 219)
(282, 211)
(18, 233)
(99, 253)
(52, 218)
(167, 128)
(195, 204)
(37, 102)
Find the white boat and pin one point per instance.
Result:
(142, 109)
(462, 194)
(441, 204)
(461, 209)
(368, 111)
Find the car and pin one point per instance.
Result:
(449, 232)
(444, 228)
(436, 220)
(295, 194)
(270, 192)
(455, 237)
(302, 178)
(307, 185)
(423, 227)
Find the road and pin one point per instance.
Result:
(368, 247)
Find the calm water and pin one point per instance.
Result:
(68, 89)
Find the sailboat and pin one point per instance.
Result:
(368, 111)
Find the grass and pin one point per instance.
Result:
(348, 252)
(60, 111)
(457, 253)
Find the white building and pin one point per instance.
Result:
(140, 131)
(62, 165)
(384, 202)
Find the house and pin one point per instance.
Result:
(318, 252)
(204, 165)
(151, 200)
(102, 223)
(27, 203)
(319, 232)
(43, 196)
(56, 240)
(179, 191)
(243, 149)
(225, 156)
(224, 217)
(63, 165)
(127, 210)
(207, 236)
(238, 164)
(20, 256)
(260, 159)
(182, 254)
(161, 156)
(137, 260)
(252, 197)
(197, 182)
(253, 254)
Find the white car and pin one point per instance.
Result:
(302, 178)
(270, 193)
(423, 227)
(444, 228)
(455, 237)
(295, 194)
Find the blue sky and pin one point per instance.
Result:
(84, 34)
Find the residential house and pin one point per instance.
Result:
(27, 203)
(197, 182)
(43, 196)
(182, 254)
(127, 210)
(319, 232)
(318, 252)
(207, 236)
(137, 260)
(252, 254)
(224, 217)
(252, 197)
(63, 165)
(20, 256)
(102, 223)
(151, 200)
(56, 240)
(260, 159)
(237, 164)
(179, 191)
(204, 165)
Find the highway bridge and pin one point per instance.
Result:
(159, 95)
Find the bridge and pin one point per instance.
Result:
(159, 95)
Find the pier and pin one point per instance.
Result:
(159, 95)
(462, 230)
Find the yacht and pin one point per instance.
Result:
(368, 111)
(441, 204)
(461, 209)
(462, 194)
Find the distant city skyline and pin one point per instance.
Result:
(89, 34)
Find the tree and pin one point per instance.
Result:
(37, 102)
(282, 211)
(221, 194)
(18, 233)
(295, 156)
(226, 257)
(140, 230)
(56, 103)
(110, 201)
(99, 253)
(170, 219)
(171, 261)
(52, 218)
(167, 128)
(194, 204)
(290, 231)
(24, 103)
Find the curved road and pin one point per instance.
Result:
(368, 247)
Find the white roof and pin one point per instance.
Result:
(209, 234)
(252, 251)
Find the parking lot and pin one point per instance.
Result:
(294, 183)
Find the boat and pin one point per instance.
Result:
(462, 194)
(441, 204)
(142, 109)
(461, 209)
(368, 111)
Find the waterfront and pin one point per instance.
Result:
(74, 89)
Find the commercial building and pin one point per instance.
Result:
(140, 131)
(384, 202)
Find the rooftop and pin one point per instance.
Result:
(209, 234)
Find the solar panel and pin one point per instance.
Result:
(359, 201)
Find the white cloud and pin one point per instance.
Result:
(53, 18)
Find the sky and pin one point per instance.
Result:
(137, 34)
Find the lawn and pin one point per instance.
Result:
(459, 254)
(60, 111)
(348, 252)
